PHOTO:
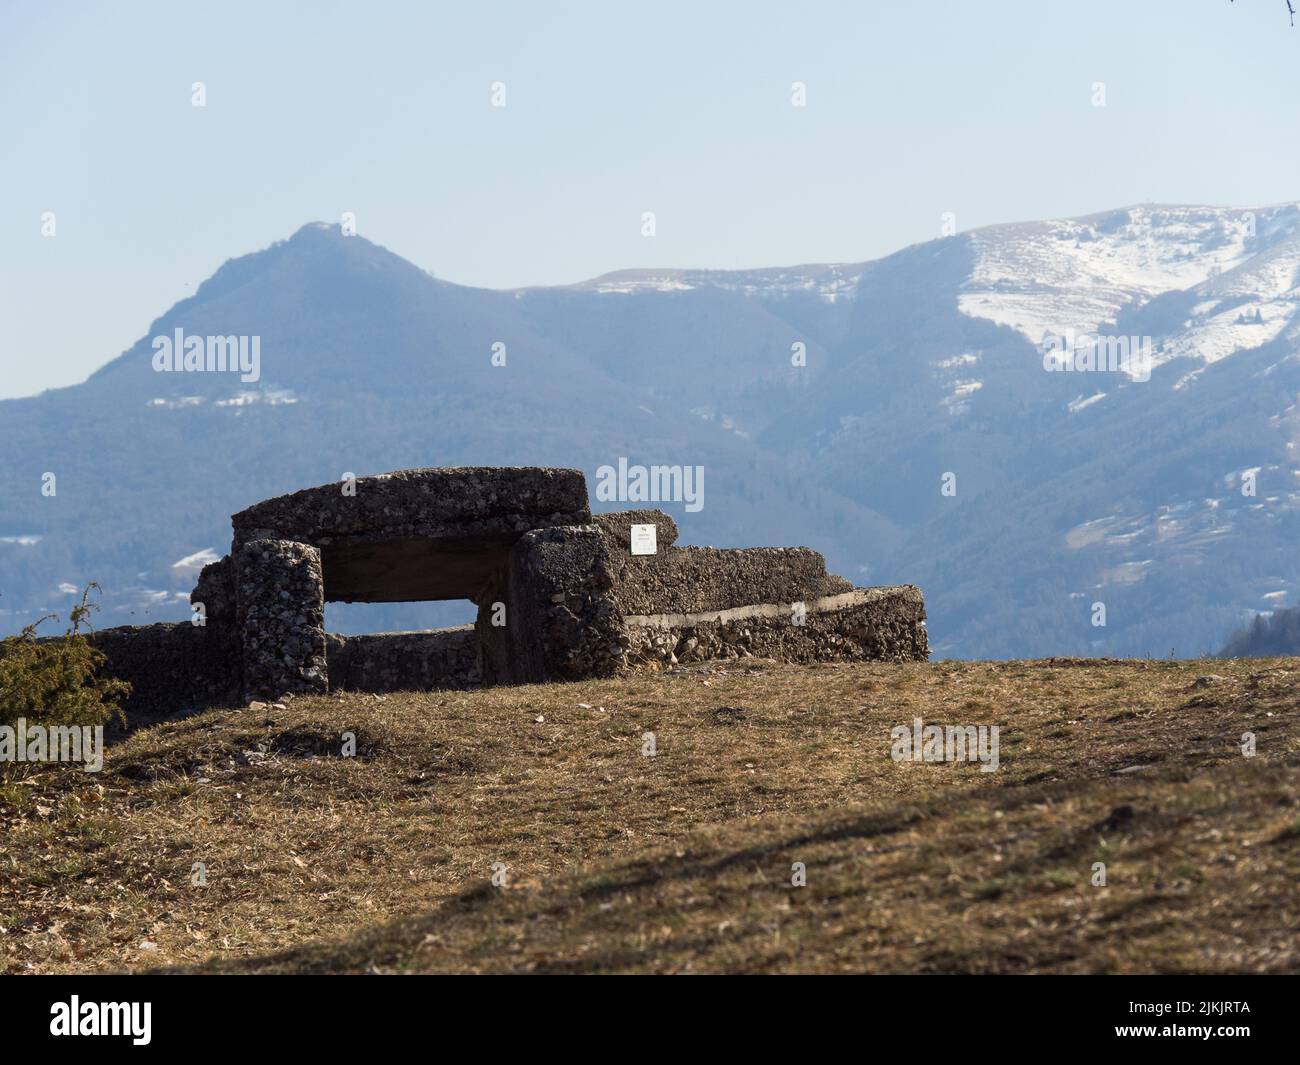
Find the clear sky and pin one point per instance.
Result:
(983, 108)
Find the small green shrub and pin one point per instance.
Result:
(54, 682)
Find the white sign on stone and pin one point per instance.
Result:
(643, 540)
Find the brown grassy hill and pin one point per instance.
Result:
(682, 862)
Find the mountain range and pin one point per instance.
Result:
(897, 415)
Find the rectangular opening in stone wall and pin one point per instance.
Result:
(355, 619)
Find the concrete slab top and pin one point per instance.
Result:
(451, 503)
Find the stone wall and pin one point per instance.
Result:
(178, 667)
(684, 580)
(693, 579)
(687, 604)
(171, 667)
(875, 624)
(404, 661)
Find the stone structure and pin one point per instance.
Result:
(560, 595)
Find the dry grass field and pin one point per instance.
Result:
(241, 839)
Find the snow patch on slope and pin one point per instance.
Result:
(1076, 274)
(1080, 403)
(829, 282)
(1219, 334)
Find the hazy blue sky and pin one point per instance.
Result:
(982, 108)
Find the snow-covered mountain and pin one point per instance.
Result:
(895, 414)
(1079, 274)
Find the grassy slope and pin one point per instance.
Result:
(682, 862)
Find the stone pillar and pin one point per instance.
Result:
(563, 622)
(280, 602)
